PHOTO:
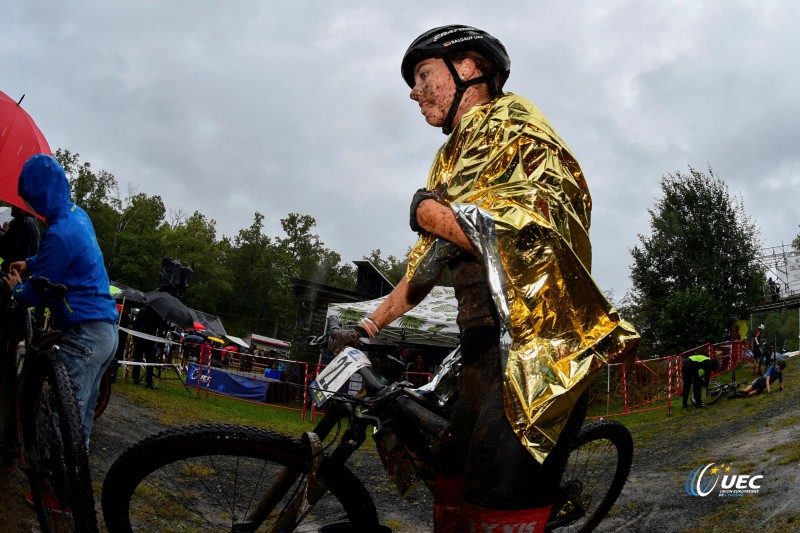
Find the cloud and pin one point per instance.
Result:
(282, 107)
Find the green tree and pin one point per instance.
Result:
(249, 259)
(393, 268)
(97, 194)
(193, 241)
(796, 242)
(695, 273)
(140, 243)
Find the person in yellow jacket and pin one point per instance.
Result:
(506, 208)
(696, 370)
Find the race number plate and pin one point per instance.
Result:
(336, 374)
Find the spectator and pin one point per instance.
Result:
(696, 371)
(766, 356)
(756, 349)
(764, 382)
(405, 356)
(18, 241)
(21, 238)
(205, 352)
(69, 254)
(773, 289)
(149, 323)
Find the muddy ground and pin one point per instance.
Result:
(755, 436)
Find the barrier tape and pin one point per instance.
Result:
(136, 363)
(145, 336)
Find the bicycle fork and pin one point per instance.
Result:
(309, 493)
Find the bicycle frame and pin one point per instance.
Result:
(381, 412)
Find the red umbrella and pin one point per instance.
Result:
(20, 138)
(198, 326)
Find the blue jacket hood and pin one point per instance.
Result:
(43, 184)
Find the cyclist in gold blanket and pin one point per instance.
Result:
(506, 208)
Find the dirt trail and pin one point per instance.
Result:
(755, 436)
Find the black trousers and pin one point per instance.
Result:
(144, 350)
(691, 382)
(499, 473)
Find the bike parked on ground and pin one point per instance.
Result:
(716, 389)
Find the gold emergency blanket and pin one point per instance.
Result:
(521, 198)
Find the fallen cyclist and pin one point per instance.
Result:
(506, 209)
(774, 372)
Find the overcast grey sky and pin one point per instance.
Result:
(229, 108)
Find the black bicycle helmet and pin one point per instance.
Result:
(448, 40)
(443, 42)
(781, 363)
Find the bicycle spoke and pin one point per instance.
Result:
(220, 478)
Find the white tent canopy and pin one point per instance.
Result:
(432, 322)
(238, 341)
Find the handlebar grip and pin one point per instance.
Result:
(428, 421)
(371, 380)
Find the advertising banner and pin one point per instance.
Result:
(231, 384)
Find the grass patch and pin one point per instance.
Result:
(787, 422)
(177, 407)
(733, 518)
(787, 452)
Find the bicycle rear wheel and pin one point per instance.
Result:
(55, 456)
(210, 478)
(712, 394)
(596, 471)
(103, 395)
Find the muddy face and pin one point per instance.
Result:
(433, 90)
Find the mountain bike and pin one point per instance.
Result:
(235, 478)
(715, 390)
(40, 417)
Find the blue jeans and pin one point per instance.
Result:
(86, 350)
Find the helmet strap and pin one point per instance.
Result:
(461, 87)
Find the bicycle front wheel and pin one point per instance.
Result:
(55, 455)
(596, 471)
(212, 477)
(713, 392)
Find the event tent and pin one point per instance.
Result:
(432, 322)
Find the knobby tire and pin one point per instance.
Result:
(712, 393)
(55, 456)
(596, 471)
(209, 477)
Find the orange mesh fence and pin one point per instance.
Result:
(262, 380)
(617, 389)
(648, 384)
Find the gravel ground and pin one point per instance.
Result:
(759, 435)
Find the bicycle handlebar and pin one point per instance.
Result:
(47, 290)
(430, 422)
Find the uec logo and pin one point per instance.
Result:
(698, 484)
